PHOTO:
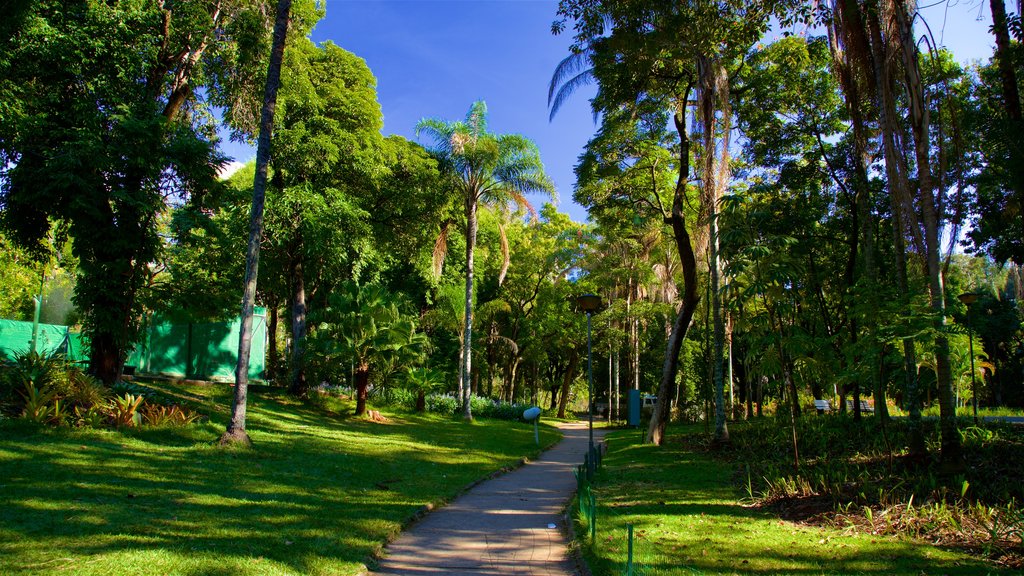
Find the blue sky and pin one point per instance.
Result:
(433, 58)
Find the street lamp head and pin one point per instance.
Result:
(589, 303)
(968, 298)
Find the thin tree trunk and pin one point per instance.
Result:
(688, 261)
(362, 384)
(236, 427)
(952, 455)
(896, 176)
(467, 348)
(563, 399)
(299, 387)
(618, 386)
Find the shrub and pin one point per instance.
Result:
(482, 407)
(124, 410)
(158, 415)
(442, 404)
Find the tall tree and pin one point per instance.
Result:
(235, 432)
(645, 58)
(105, 157)
(488, 168)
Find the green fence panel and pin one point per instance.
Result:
(16, 337)
(78, 348)
(203, 350)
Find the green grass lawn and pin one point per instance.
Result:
(319, 493)
(688, 519)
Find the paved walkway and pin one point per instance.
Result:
(509, 525)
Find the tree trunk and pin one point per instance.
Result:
(421, 401)
(272, 350)
(299, 387)
(104, 358)
(952, 455)
(688, 261)
(362, 383)
(236, 427)
(567, 378)
(713, 98)
(467, 348)
(1011, 93)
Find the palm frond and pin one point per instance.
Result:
(441, 248)
(476, 119)
(505, 259)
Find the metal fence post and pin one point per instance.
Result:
(629, 550)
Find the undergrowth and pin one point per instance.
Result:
(858, 475)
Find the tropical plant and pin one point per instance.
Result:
(363, 326)
(423, 381)
(481, 168)
(38, 404)
(92, 417)
(124, 410)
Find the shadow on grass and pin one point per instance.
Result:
(316, 495)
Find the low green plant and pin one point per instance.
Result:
(124, 410)
(86, 390)
(38, 406)
(160, 415)
(92, 417)
(60, 412)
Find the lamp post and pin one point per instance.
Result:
(969, 298)
(589, 303)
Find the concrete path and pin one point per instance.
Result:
(500, 526)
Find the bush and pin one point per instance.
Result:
(50, 390)
(442, 404)
(481, 407)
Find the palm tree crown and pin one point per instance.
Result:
(498, 170)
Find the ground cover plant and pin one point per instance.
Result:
(859, 474)
(319, 492)
(690, 517)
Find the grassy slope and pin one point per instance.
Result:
(688, 520)
(317, 495)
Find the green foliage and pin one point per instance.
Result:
(20, 280)
(124, 410)
(38, 404)
(159, 415)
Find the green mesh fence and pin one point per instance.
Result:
(629, 547)
(203, 351)
(16, 338)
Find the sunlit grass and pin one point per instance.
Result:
(320, 493)
(688, 519)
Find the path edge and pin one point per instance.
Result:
(378, 552)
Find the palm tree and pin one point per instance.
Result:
(483, 168)
(363, 325)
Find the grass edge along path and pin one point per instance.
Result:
(688, 519)
(320, 493)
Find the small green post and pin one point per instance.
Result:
(35, 321)
(593, 518)
(629, 550)
(39, 305)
